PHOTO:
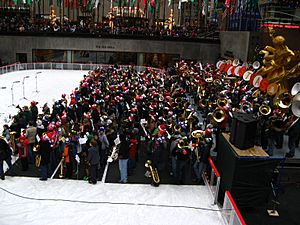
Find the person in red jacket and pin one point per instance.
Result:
(23, 151)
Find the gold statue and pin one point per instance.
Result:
(52, 15)
(277, 62)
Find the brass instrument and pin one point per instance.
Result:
(236, 62)
(180, 143)
(153, 173)
(177, 128)
(246, 106)
(61, 174)
(256, 65)
(38, 159)
(217, 82)
(12, 140)
(218, 115)
(265, 110)
(296, 105)
(198, 134)
(178, 100)
(222, 102)
(284, 100)
(209, 80)
(202, 103)
(36, 148)
(256, 93)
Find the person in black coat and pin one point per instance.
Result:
(44, 151)
(93, 160)
(5, 155)
(123, 157)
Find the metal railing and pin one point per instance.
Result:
(230, 211)
(64, 66)
(212, 180)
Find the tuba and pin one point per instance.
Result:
(218, 115)
(296, 105)
(284, 100)
(265, 110)
(153, 173)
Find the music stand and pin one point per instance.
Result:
(23, 83)
(36, 88)
(12, 92)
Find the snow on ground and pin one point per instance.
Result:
(112, 204)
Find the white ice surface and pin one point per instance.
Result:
(16, 210)
(43, 86)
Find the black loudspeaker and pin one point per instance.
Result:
(243, 130)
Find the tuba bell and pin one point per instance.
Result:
(265, 110)
(152, 171)
(284, 100)
(296, 105)
(218, 115)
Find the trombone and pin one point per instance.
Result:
(153, 173)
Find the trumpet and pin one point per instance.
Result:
(153, 173)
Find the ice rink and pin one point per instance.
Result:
(70, 202)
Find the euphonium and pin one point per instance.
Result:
(198, 134)
(265, 110)
(218, 115)
(153, 172)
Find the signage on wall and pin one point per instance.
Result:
(105, 46)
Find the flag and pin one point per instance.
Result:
(169, 3)
(59, 3)
(132, 3)
(29, 2)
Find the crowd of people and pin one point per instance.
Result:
(22, 22)
(156, 107)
